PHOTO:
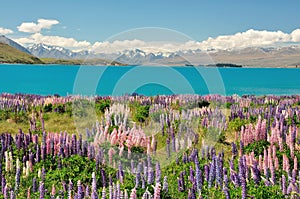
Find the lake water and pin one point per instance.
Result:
(147, 80)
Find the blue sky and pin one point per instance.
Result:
(97, 20)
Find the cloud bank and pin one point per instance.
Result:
(5, 31)
(249, 38)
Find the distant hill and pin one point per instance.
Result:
(9, 54)
(13, 44)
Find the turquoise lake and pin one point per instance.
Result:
(147, 80)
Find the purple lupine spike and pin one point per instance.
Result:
(283, 184)
(294, 176)
(111, 196)
(234, 149)
(241, 148)
(121, 173)
(103, 193)
(191, 176)
(226, 193)
(43, 174)
(168, 148)
(80, 193)
(103, 176)
(137, 180)
(244, 188)
(118, 190)
(241, 168)
(64, 186)
(150, 178)
(132, 166)
(256, 173)
(206, 172)
(225, 180)
(5, 192)
(157, 173)
(198, 174)
(3, 183)
(289, 189)
(143, 182)
(212, 172)
(94, 186)
(219, 172)
(12, 194)
(181, 182)
(18, 174)
(42, 190)
(273, 177)
(165, 184)
(87, 191)
(34, 185)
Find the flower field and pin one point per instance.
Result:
(180, 146)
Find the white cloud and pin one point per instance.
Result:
(54, 41)
(250, 38)
(31, 27)
(5, 31)
(295, 35)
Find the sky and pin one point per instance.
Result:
(78, 24)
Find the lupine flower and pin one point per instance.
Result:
(256, 173)
(283, 184)
(157, 173)
(80, 193)
(42, 190)
(157, 191)
(226, 193)
(87, 191)
(18, 173)
(94, 187)
(133, 194)
(150, 179)
(244, 188)
(165, 184)
(103, 193)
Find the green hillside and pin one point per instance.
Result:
(9, 54)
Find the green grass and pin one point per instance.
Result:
(9, 54)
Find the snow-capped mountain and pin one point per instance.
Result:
(57, 52)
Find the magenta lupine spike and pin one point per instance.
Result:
(28, 193)
(133, 194)
(157, 191)
(53, 191)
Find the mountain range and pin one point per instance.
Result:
(287, 56)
